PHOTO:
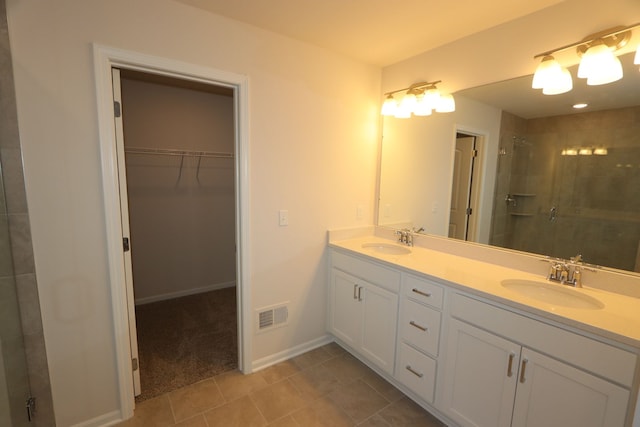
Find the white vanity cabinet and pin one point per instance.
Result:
(419, 335)
(527, 373)
(363, 308)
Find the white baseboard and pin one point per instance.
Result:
(108, 419)
(265, 362)
(184, 293)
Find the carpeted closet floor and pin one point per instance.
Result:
(185, 340)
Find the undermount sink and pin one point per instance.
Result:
(553, 294)
(387, 248)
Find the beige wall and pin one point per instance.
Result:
(181, 211)
(313, 123)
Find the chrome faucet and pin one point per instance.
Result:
(405, 236)
(568, 272)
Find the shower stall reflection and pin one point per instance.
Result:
(568, 185)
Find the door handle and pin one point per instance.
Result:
(360, 293)
(355, 290)
(522, 370)
(510, 367)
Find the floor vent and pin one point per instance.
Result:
(272, 317)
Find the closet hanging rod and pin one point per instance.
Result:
(171, 152)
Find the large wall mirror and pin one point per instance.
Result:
(547, 179)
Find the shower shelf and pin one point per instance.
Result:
(520, 214)
(524, 194)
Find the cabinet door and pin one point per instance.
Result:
(552, 393)
(379, 320)
(346, 310)
(480, 377)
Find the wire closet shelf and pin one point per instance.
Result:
(181, 153)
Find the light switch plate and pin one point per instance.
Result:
(283, 218)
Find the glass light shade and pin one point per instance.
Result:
(599, 66)
(600, 151)
(585, 151)
(547, 71)
(406, 106)
(389, 106)
(559, 83)
(432, 97)
(408, 103)
(446, 104)
(422, 107)
(570, 152)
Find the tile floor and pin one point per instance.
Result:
(324, 387)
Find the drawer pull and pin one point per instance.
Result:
(417, 374)
(422, 328)
(419, 292)
(510, 367)
(522, 369)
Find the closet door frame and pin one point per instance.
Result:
(106, 58)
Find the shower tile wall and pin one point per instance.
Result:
(596, 196)
(17, 271)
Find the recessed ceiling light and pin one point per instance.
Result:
(580, 105)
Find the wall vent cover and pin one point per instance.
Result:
(272, 317)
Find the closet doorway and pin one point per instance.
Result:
(177, 194)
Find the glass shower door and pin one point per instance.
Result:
(14, 381)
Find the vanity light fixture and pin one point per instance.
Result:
(420, 99)
(598, 63)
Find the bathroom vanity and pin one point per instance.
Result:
(481, 344)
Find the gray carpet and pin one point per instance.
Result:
(185, 340)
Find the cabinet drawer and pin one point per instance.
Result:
(423, 291)
(420, 326)
(417, 372)
(372, 273)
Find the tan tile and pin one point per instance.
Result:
(406, 413)
(235, 384)
(311, 358)
(279, 372)
(287, 421)
(382, 386)
(239, 413)
(154, 412)
(334, 349)
(375, 421)
(197, 421)
(358, 400)
(346, 368)
(315, 382)
(194, 399)
(322, 413)
(277, 400)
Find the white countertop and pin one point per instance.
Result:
(619, 320)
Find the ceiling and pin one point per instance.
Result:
(378, 32)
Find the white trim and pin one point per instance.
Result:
(184, 293)
(104, 59)
(290, 353)
(108, 419)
